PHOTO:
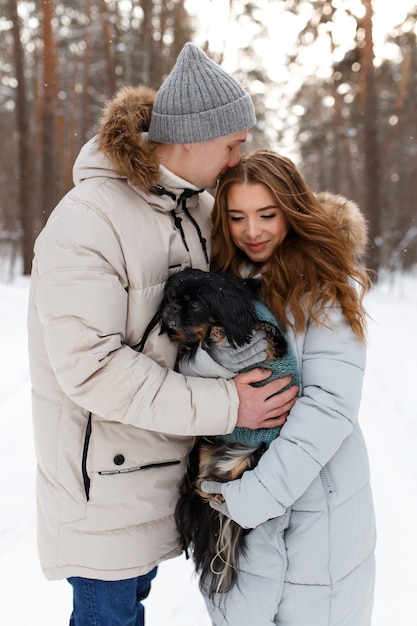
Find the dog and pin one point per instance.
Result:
(199, 309)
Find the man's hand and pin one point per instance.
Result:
(263, 407)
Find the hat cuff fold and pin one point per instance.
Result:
(225, 120)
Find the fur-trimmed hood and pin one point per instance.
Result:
(347, 219)
(121, 148)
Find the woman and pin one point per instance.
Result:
(310, 557)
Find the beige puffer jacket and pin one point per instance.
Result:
(112, 426)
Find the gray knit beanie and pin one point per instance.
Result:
(199, 101)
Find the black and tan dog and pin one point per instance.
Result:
(198, 309)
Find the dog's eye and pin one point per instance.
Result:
(194, 306)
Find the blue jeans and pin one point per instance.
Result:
(110, 603)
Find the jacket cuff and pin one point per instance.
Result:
(262, 506)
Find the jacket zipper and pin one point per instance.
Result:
(326, 480)
(138, 468)
(86, 477)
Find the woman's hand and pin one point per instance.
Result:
(239, 357)
(236, 504)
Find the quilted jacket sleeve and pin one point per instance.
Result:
(332, 370)
(82, 303)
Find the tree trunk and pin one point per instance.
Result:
(49, 171)
(370, 141)
(108, 46)
(26, 199)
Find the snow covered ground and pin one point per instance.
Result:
(389, 420)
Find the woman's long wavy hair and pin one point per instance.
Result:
(316, 266)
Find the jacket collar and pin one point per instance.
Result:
(171, 193)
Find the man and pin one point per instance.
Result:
(112, 426)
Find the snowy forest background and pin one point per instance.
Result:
(335, 88)
(334, 84)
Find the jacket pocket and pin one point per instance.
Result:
(138, 468)
(133, 495)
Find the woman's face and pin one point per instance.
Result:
(256, 224)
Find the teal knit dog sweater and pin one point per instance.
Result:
(284, 366)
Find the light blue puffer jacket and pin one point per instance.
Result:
(312, 563)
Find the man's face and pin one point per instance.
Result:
(206, 161)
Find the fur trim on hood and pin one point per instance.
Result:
(347, 219)
(124, 120)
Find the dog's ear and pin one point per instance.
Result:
(233, 308)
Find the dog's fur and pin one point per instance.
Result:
(200, 308)
(214, 540)
(209, 307)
